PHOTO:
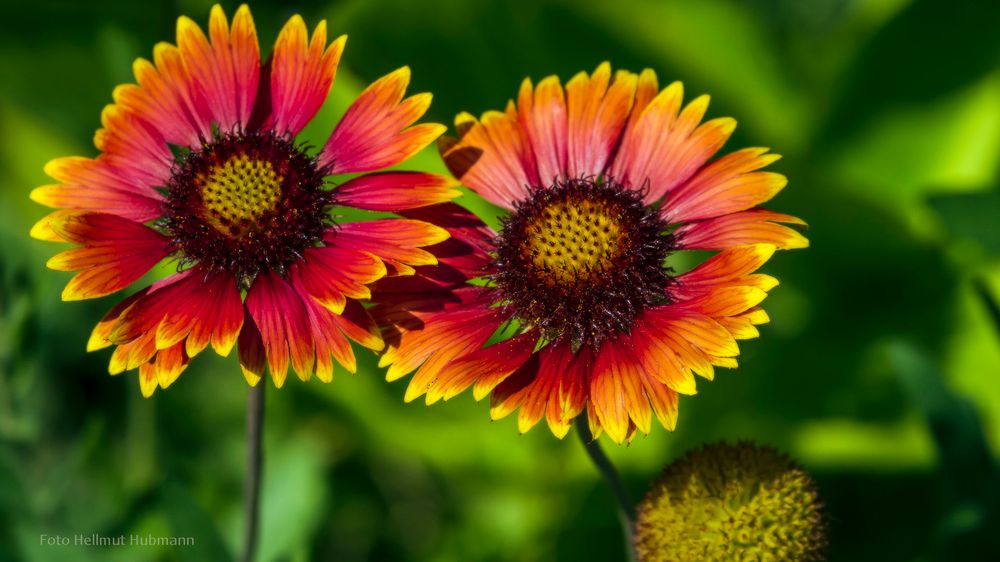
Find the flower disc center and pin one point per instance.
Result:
(238, 193)
(246, 202)
(573, 239)
(581, 259)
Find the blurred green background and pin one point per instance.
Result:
(880, 371)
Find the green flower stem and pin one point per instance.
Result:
(251, 490)
(626, 509)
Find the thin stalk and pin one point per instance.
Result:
(251, 489)
(626, 510)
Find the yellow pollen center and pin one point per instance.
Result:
(238, 193)
(573, 239)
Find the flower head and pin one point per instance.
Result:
(574, 304)
(731, 502)
(199, 165)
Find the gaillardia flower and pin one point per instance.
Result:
(199, 165)
(573, 304)
(731, 502)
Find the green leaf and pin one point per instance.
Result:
(293, 494)
(971, 215)
(904, 63)
(187, 518)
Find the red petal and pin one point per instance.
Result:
(396, 191)
(542, 114)
(135, 149)
(487, 367)
(468, 250)
(662, 148)
(224, 73)
(329, 340)
(755, 226)
(493, 157)
(115, 252)
(331, 275)
(390, 239)
(284, 326)
(596, 117)
(375, 132)
(194, 308)
(253, 358)
(95, 185)
(302, 73)
(725, 186)
(616, 391)
(166, 98)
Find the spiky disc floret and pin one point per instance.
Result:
(581, 259)
(731, 502)
(246, 202)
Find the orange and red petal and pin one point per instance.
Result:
(643, 372)
(541, 397)
(542, 115)
(413, 333)
(99, 336)
(726, 300)
(329, 340)
(647, 87)
(333, 274)
(494, 157)
(162, 369)
(466, 254)
(42, 230)
(214, 317)
(281, 317)
(691, 332)
(302, 73)
(662, 399)
(509, 394)
(428, 350)
(134, 149)
(98, 198)
(660, 361)
(616, 391)
(357, 324)
(166, 97)
(95, 185)
(191, 309)
(551, 383)
(250, 349)
(729, 264)
(395, 241)
(727, 185)
(647, 128)
(147, 379)
(143, 317)
(733, 266)
(133, 354)
(754, 226)
(484, 366)
(452, 337)
(169, 363)
(667, 145)
(396, 191)
(744, 326)
(724, 289)
(597, 109)
(224, 72)
(488, 366)
(115, 253)
(376, 131)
